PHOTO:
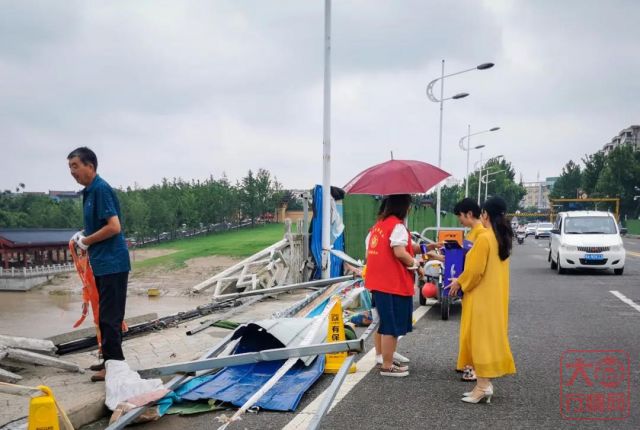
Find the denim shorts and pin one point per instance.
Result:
(396, 313)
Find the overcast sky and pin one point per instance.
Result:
(196, 88)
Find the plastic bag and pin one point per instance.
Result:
(122, 383)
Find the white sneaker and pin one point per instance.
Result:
(397, 373)
(396, 357)
(400, 358)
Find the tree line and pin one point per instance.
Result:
(613, 174)
(502, 183)
(169, 206)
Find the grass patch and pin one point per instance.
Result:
(239, 243)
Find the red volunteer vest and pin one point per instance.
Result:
(385, 273)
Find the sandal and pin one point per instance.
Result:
(468, 374)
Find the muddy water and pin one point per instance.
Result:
(34, 314)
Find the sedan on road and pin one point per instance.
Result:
(543, 230)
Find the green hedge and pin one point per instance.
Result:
(633, 226)
(360, 214)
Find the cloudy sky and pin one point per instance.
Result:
(196, 88)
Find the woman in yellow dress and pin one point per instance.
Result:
(484, 340)
(468, 213)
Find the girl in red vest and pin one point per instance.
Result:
(389, 276)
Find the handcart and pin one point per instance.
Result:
(439, 274)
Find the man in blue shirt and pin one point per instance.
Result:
(108, 254)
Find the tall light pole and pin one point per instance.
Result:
(475, 166)
(441, 100)
(326, 146)
(468, 148)
(486, 181)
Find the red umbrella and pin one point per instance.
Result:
(397, 177)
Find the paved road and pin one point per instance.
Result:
(550, 314)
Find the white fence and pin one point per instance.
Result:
(36, 271)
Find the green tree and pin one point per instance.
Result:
(593, 165)
(501, 183)
(619, 177)
(568, 182)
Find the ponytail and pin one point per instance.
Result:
(496, 208)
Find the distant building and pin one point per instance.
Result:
(26, 247)
(64, 195)
(57, 196)
(537, 194)
(628, 136)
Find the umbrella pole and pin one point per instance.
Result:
(326, 145)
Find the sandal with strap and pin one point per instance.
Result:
(468, 374)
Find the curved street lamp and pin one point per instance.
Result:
(468, 149)
(475, 166)
(441, 100)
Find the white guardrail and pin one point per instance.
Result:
(36, 271)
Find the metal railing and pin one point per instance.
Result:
(36, 271)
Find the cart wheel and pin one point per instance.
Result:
(445, 302)
(423, 301)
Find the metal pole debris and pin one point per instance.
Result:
(284, 288)
(317, 325)
(253, 357)
(6, 376)
(208, 323)
(333, 389)
(43, 360)
(331, 393)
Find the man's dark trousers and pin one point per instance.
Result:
(112, 290)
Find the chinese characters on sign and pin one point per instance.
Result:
(594, 385)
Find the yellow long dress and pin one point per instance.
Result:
(465, 318)
(484, 341)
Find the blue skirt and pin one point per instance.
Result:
(396, 313)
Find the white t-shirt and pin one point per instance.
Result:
(399, 237)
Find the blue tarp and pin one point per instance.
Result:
(238, 383)
(316, 239)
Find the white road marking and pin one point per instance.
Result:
(625, 299)
(546, 249)
(635, 254)
(364, 366)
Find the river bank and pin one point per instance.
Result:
(53, 308)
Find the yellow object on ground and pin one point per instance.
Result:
(152, 292)
(335, 333)
(43, 413)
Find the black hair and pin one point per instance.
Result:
(85, 155)
(467, 205)
(383, 204)
(397, 205)
(496, 208)
(337, 193)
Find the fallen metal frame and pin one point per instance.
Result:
(238, 273)
(189, 367)
(333, 389)
(285, 288)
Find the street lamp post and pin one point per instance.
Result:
(468, 148)
(326, 146)
(486, 181)
(480, 172)
(441, 100)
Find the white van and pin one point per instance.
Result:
(586, 240)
